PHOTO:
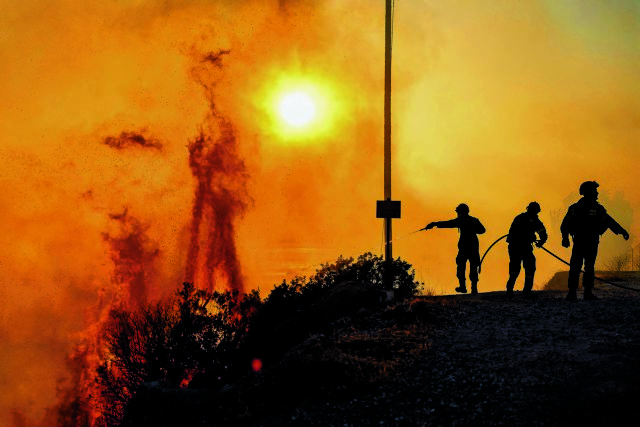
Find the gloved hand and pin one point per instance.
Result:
(625, 235)
(539, 243)
(430, 226)
(565, 241)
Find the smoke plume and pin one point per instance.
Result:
(219, 195)
(132, 139)
(108, 105)
(133, 256)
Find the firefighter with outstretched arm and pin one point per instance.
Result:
(468, 245)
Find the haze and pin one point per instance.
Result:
(495, 104)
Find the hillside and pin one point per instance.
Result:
(438, 361)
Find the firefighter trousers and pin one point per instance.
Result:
(521, 256)
(583, 253)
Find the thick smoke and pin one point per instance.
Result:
(134, 256)
(132, 139)
(219, 195)
(494, 107)
(216, 206)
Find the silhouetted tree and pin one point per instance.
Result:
(202, 337)
(171, 341)
(368, 268)
(137, 347)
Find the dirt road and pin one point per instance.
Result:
(497, 361)
(463, 360)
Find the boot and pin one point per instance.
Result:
(510, 284)
(528, 286)
(571, 296)
(589, 296)
(474, 288)
(462, 289)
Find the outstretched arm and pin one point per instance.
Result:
(452, 223)
(616, 228)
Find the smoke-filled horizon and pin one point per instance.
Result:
(140, 146)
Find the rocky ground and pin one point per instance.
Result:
(462, 360)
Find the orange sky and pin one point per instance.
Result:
(495, 104)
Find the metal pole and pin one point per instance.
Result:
(388, 254)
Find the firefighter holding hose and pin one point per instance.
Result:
(468, 245)
(521, 237)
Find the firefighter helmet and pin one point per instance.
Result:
(533, 207)
(588, 187)
(462, 208)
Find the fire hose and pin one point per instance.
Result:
(487, 251)
(559, 259)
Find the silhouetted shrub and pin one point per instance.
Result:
(301, 292)
(137, 346)
(205, 334)
(171, 341)
(274, 327)
(619, 263)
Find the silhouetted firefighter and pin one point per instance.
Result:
(468, 246)
(586, 221)
(521, 237)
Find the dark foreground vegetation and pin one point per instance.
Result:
(198, 344)
(461, 360)
(328, 351)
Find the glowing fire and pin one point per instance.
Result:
(211, 258)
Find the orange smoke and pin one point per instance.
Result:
(129, 160)
(133, 256)
(132, 139)
(219, 198)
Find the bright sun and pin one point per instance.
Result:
(301, 110)
(297, 109)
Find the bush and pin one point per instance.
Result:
(618, 263)
(301, 292)
(272, 329)
(214, 335)
(171, 341)
(137, 345)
